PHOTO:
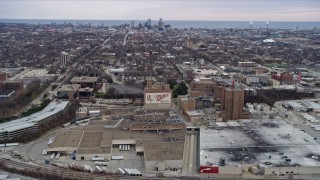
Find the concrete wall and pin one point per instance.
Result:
(159, 106)
(88, 157)
(151, 165)
(247, 167)
(292, 170)
(230, 170)
(173, 163)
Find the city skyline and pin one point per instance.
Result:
(215, 10)
(160, 89)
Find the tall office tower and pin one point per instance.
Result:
(189, 42)
(149, 23)
(132, 24)
(232, 103)
(64, 58)
(160, 23)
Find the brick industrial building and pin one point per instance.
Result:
(157, 96)
(9, 86)
(232, 101)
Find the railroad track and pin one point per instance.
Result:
(48, 172)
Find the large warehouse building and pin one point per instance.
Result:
(99, 139)
(269, 147)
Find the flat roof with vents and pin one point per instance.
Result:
(269, 142)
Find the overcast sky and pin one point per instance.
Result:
(230, 10)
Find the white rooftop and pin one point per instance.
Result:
(195, 113)
(294, 104)
(312, 105)
(29, 121)
(205, 71)
(258, 141)
(269, 41)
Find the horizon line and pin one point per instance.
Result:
(155, 20)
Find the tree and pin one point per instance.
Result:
(109, 79)
(181, 89)
(172, 83)
(111, 93)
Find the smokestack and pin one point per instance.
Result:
(299, 76)
(251, 24)
(232, 83)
